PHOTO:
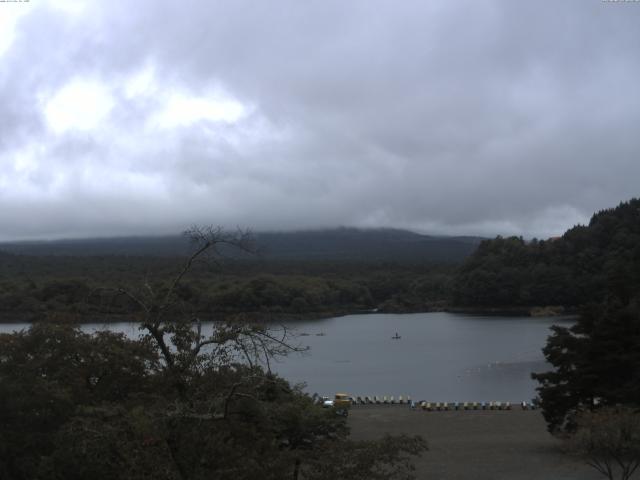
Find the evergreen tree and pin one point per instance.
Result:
(596, 363)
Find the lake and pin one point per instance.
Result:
(439, 357)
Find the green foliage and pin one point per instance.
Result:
(76, 406)
(175, 404)
(77, 278)
(47, 372)
(597, 363)
(82, 287)
(596, 268)
(585, 264)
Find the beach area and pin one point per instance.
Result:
(475, 445)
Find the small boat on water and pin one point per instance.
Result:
(396, 336)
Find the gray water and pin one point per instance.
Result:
(439, 357)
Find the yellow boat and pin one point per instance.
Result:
(342, 404)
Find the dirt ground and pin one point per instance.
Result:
(475, 445)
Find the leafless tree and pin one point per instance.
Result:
(609, 440)
(177, 330)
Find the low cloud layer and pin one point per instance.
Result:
(446, 117)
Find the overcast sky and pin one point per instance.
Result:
(444, 117)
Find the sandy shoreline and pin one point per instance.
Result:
(475, 445)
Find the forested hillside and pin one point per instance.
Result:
(36, 287)
(588, 263)
(175, 403)
(596, 360)
(341, 244)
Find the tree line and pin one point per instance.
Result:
(177, 403)
(33, 288)
(595, 261)
(592, 394)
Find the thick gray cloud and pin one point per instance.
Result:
(460, 117)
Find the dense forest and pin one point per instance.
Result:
(74, 405)
(587, 263)
(325, 273)
(33, 287)
(324, 276)
(597, 360)
(174, 404)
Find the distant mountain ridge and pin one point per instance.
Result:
(341, 244)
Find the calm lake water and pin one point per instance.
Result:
(439, 357)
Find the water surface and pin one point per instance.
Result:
(439, 357)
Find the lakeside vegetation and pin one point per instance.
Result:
(33, 288)
(588, 263)
(323, 274)
(67, 397)
(594, 269)
(174, 404)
